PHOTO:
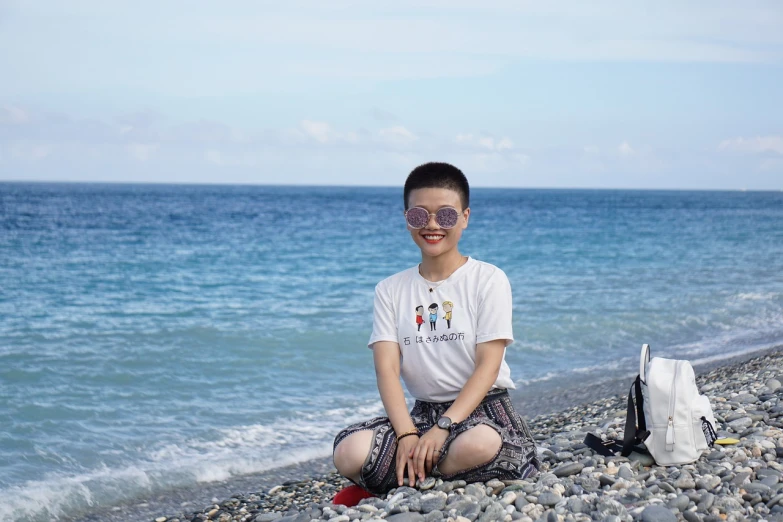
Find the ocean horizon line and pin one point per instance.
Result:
(395, 186)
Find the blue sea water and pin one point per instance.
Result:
(156, 336)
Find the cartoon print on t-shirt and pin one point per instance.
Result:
(448, 306)
(419, 317)
(433, 310)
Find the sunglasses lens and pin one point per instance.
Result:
(417, 217)
(447, 217)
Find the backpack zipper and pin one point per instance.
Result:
(672, 401)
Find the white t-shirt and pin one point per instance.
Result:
(438, 331)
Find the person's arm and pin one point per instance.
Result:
(489, 357)
(386, 355)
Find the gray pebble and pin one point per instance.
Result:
(471, 512)
(427, 483)
(775, 500)
(690, 516)
(658, 514)
(590, 484)
(685, 481)
(606, 480)
(757, 487)
(708, 482)
(740, 478)
(493, 513)
(642, 458)
(496, 486)
(571, 468)
(549, 498)
(476, 490)
(715, 455)
(301, 517)
(432, 503)
(745, 398)
(705, 503)
(406, 517)
(268, 517)
(741, 423)
(433, 516)
(608, 506)
(680, 502)
(577, 505)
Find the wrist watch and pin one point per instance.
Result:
(444, 423)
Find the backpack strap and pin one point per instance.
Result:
(635, 423)
(607, 448)
(635, 429)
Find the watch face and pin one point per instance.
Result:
(444, 423)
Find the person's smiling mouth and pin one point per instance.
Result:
(433, 238)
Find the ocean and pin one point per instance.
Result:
(162, 336)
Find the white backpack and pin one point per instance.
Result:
(679, 420)
(668, 419)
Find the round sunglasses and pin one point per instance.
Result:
(445, 217)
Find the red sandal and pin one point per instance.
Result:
(351, 496)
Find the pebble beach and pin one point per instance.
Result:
(736, 482)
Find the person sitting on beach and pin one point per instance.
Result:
(463, 425)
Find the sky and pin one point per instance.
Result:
(571, 94)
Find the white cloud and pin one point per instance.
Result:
(485, 142)
(213, 156)
(757, 145)
(320, 131)
(27, 152)
(397, 135)
(382, 115)
(13, 114)
(625, 149)
(575, 30)
(141, 151)
(202, 131)
(772, 164)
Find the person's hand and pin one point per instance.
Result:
(405, 459)
(427, 450)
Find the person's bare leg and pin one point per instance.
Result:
(476, 446)
(350, 454)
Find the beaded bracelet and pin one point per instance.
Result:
(412, 432)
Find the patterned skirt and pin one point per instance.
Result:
(516, 458)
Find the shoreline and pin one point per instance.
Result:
(540, 406)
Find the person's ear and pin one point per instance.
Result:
(466, 214)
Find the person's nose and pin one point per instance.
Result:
(432, 223)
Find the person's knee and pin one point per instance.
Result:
(476, 446)
(350, 454)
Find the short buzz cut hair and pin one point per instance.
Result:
(438, 175)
